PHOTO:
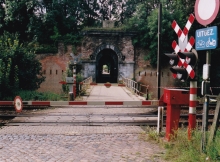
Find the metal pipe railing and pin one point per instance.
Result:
(136, 87)
(85, 84)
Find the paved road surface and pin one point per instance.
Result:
(75, 143)
(114, 93)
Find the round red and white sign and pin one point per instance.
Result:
(206, 11)
(18, 104)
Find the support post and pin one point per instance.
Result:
(160, 119)
(159, 48)
(215, 123)
(205, 123)
(205, 112)
(70, 97)
(192, 107)
(74, 81)
(147, 91)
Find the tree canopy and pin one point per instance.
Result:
(46, 22)
(19, 68)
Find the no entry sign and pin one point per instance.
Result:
(206, 11)
(18, 104)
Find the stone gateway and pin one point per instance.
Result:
(111, 50)
(106, 56)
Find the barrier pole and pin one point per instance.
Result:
(192, 107)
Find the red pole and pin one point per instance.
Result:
(192, 107)
(172, 120)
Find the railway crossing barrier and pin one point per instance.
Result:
(66, 103)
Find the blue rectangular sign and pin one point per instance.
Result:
(206, 38)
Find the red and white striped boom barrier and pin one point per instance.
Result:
(66, 103)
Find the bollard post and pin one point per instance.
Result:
(160, 119)
(147, 96)
(71, 98)
(139, 89)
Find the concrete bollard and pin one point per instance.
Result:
(71, 97)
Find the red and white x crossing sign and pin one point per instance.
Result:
(182, 35)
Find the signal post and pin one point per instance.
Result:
(183, 62)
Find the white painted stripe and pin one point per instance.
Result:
(155, 102)
(182, 37)
(188, 25)
(177, 49)
(95, 102)
(192, 110)
(138, 103)
(59, 103)
(193, 97)
(188, 69)
(188, 47)
(182, 60)
(193, 84)
(28, 102)
(177, 28)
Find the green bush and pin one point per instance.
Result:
(46, 49)
(19, 68)
(39, 96)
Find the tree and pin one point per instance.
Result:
(19, 68)
(18, 15)
(145, 21)
(90, 9)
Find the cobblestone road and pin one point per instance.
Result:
(69, 143)
(76, 144)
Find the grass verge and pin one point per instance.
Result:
(181, 149)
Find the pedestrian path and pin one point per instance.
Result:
(113, 93)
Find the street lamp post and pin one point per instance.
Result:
(159, 50)
(159, 46)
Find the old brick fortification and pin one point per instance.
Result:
(53, 67)
(147, 75)
(127, 59)
(118, 44)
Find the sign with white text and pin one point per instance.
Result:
(206, 38)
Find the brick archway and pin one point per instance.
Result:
(107, 57)
(108, 46)
(120, 43)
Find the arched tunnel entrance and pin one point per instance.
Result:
(107, 66)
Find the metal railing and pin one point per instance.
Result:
(137, 88)
(85, 84)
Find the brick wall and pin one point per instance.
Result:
(123, 43)
(147, 75)
(53, 67)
